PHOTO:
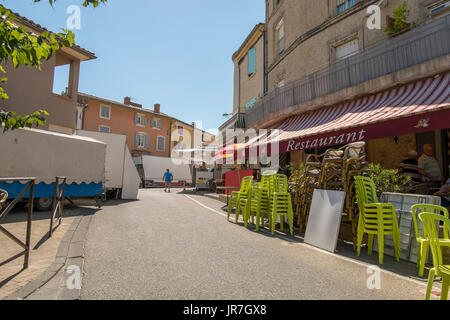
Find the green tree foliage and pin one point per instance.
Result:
(25, 48)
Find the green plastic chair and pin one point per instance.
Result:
(266, 192)
(253, 207)
(282, 206)
(236, 196)
(422, 240)
(431, 224)
(375, 219)
(281, 203)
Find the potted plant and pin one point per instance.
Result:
(398, 23)
(388, 180)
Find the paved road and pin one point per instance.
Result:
(167, 246)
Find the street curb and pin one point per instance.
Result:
(215, 198)
(71, 248)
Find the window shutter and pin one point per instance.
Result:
(251, 61)
(147, 141)
(136, 118)
(159, 124)
(136, 140)
(145, 121)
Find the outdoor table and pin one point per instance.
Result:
(402, 203)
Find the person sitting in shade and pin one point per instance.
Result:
(410, 167)
(429, 167)
(444, 193)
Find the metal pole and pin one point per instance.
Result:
(30, 218)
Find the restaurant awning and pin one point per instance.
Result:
(417, 107)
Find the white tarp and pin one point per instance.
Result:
(121, 172)
(154, 168)
(45, 155)
(131, 178)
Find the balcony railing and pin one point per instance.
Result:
(412, 48)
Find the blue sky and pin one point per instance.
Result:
(173, 52)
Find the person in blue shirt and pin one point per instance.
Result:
(167, 178)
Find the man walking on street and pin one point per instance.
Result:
(167, 177)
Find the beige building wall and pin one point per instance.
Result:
(185, 138)
(313, 30)
(248, 87)
(30, 89)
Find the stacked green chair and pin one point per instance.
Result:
(431, 223)
(421, 238)
(253, 207)
(265, 196)
(375, 219)
(282, 204)
(237, 196)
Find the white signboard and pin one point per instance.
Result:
(325, 219)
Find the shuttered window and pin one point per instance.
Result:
(140, 119)
(156, 123)
(251, 61)
(142, 140)
(161, 143)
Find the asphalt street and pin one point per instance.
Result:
(177, 246)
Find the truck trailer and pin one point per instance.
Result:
(46, 155)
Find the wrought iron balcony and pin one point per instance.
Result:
(419, 45)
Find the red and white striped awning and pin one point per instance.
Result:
(418, 107)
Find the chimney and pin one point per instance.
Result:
(127, 101)
(157, 108)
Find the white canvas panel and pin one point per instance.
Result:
(325, 219)
(114, 163)
(131, 179)
(154, 168)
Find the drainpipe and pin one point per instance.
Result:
(239, 87)
(265, 78)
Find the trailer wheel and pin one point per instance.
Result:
(43, 204)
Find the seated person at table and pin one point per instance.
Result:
(429, 167)
(410, 167)
(444, 193)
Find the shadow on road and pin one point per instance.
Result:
(343, 249)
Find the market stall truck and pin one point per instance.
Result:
(46, 155)
(121, 176)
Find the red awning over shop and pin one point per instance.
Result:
(418, 107)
